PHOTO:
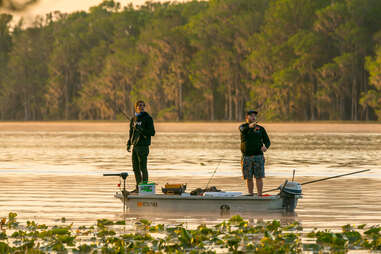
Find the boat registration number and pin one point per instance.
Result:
(144, 204)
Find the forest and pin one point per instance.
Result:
(292, 60)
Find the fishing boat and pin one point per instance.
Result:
(209, 202)
(286, 199)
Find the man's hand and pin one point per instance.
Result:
(264, 148)
(128, 148)
(252, 125)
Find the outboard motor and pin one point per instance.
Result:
(290, 192)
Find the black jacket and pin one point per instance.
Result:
(252, 139)
(141, 130)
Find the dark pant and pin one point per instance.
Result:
(139, 163)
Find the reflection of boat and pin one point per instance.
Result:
(281, 215)
(286, 200)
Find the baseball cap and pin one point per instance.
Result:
(251, 112)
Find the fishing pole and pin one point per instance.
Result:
(214, 172)
(323, 179)
(327, 178)
(124, 113)
(118, 109)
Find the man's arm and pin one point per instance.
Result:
(244, 128)
(149, 129)
(266, 140)
(130, 135)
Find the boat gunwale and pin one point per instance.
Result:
(197, 197)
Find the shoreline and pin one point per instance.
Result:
(212, 127)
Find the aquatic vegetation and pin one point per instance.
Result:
(235, 235)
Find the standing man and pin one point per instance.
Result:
(254, 142)
(141, 130)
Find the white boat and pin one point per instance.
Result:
(161, 203)
(220, 202)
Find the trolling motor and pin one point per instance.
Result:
(123, 175)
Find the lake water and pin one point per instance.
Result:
(54, 170)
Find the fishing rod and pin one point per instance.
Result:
(118, 109)
(124, 113)
(323, 179)
(327, 178)
(214, 172)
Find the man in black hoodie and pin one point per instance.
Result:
(254, 142)
(141, 130)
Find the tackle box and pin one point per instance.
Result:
(147, 188)
(174, 189)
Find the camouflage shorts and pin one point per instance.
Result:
(253, 166)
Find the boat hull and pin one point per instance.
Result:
(169, 204)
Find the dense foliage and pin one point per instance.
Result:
(233, 236)
(198, 60)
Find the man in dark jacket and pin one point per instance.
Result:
(254, 142)
(141, 130)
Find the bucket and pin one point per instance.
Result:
(147, 188)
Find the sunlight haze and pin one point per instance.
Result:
(46, 6)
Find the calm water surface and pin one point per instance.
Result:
(48, 175)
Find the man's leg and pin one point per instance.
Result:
(250, 186)
(143, 154)
(135, 166)
(259, 172)
(259, 182)
(247, 173)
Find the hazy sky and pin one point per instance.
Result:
(46, 6)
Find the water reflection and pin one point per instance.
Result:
(48, 175)
(186, 153)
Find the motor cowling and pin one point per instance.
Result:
(292, 188)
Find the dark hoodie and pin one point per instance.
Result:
(141, 130)
(252, 139)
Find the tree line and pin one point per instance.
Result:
(197, 60)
